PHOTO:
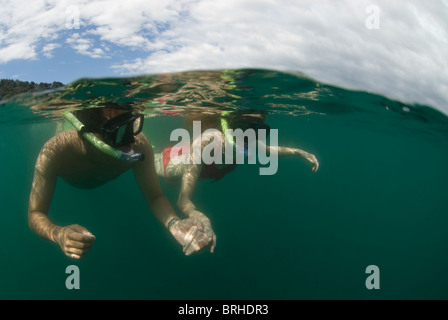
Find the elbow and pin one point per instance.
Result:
(31, 219)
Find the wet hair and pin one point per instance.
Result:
(93, 118)
(213, 120)
(208, 120)
(241, 115)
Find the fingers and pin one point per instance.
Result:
(212, 247)
(77, 228)
(74, 254)
(76, 241)
(192, 248)
(189, 236)
(85, 237)
(197, 245)
(77, 246)
(193, 234)
(195, 240)
(312, 158)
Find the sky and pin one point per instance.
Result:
(397, 48)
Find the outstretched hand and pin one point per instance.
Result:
(190, 233)
(75, 241)
(312, 159)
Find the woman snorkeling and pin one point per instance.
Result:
(178, 163)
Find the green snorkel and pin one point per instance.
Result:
(100, 145)
(225, 128)
(230, 139)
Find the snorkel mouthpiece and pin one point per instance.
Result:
(129, 156)
(132, 157)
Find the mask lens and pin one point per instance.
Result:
(137, 126)
(121, 132)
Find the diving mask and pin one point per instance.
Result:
(120, 131)
(129, 156)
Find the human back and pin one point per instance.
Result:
(77, 162)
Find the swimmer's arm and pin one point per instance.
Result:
(190, 178)
(187, 207)
(148, 181)
(188, 232)
(292, 152)
(74, 240)
(188, 184)
(44, 183)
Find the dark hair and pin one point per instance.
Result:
(242, 113)
(92, 118)
(208, 120)
(213, 120)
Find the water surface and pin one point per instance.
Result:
(379, 197)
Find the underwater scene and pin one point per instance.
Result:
(377, 198)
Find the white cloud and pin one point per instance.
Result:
(48, 49)
(328, 40)
(132, 23)
(23, 25)
(27, 25)
(17, 51)
(85, 47)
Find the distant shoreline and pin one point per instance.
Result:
(10, 88)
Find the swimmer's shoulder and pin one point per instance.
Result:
(65, 143)
(55, 152)
(142, 144)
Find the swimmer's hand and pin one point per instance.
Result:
(208, 230)
(190, 234)
(75, 241)
(311, 158)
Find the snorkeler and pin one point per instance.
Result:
(173, 164)
(105, 143)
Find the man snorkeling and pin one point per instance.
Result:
(175, 164)
(105, 143)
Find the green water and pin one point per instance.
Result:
(379, 198)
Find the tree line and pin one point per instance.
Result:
(9, 88)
